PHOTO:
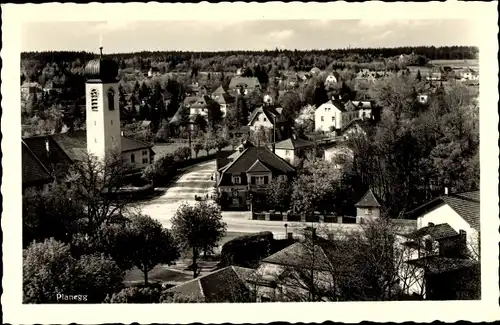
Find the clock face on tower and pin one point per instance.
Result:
(93, 99)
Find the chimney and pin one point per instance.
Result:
(47, 145)
(446, 191)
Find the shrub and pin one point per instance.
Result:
(248, 250)
(182, 153)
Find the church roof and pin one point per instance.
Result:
(368, 200)
(101, 70)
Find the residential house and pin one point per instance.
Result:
(196, 105)
(445, 248)
(224, 99)
(435, 75)
(293, 148)
(358, 127)
(332, 78)
(248, 173)
(364, 109)
(368, 208)
(30, 89)
(285, 275)
(43, 162)
(52, 87)
(338, 153)
(315, 71)
(469, 74)
(423, 98)
(334, 115)
(271, 119)
(244, 85)
(228, 284)
(154, 72)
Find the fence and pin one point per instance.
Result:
(322, 218)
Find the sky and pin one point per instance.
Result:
(132, 36)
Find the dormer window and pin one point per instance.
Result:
(111, 99)
(93, 100)
(236, 180)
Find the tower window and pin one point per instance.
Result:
(111, 99)
(93, 100)
(132, 158)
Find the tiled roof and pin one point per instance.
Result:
(436, 232)
(225, 285)
(368, 200)
(248, 82)
(55, 160)
(74, 144)
(301, 256)
(270, 113)
(33, 170)
(257, 167)
(336, 103)
(219, 91)
(247, 158)
(222, 159)
(292, 144)
(438, 264)
(224, 98)
(466, 205)
(362, 104)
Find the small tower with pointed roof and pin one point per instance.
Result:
(368, 206)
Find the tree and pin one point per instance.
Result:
(198, 228)
(209, 142)
(149, 244)
(97, 184)
(279, 194)
(160, 170)
(184, 116)
(290, 101)
(163, 132)
(221, 143)
(214, 114)
(419, 76)
(51, 274)
(182, 153)
(320, 95)
(50, 214)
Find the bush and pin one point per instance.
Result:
(248, 250)
(182, 153)
(135, 295)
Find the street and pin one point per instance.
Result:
(197, 181)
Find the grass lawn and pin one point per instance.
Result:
(458, 63)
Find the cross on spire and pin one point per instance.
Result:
(100, 45)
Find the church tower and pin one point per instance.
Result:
(103, 112)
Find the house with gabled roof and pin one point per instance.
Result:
(268, 117)
(249, 171)
(244, 85)
(333, 115)
(224, 99)
(446, 249)
(293, 148)
(228, 284)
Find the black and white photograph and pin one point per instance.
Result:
(251, 161)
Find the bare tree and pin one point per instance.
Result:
(97, 183)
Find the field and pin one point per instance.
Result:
(456, 63)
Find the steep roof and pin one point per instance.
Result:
(436, 232)
(34, 172)
(225, 285)
(271, 114)
(368, 200)
(336, 103)
(248, 157)
(55, 160)
(219, 91)
(223, 98)
(466, 205)
(258, 166)
(248, 82)
(293, 143)
(438, 264)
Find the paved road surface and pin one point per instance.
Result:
(197, 181)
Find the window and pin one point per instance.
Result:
(368, 211)
(132, 158)
(93, 100)
(287, 152)
(264, 119)
(236, 180)
(111, 99)
(333, 118)
(144, 152)
(322, 118)
(144, 160)
(259, 180)
(111, 122)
